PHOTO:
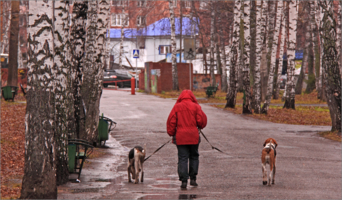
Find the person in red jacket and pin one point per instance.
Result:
(184, 120)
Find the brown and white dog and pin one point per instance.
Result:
(268, 156)
(136, 158)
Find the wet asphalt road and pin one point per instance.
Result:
(308, 166)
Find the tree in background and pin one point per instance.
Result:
(234, 56)
(175, 85)
(275, 15)
(330, 33)
(291, 27)
(13, 45)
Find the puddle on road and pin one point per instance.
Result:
(84, 190)
(103, 180)
(171, 196)
(166, 186)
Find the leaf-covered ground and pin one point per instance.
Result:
(12, 147)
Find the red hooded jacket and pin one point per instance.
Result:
(186, 115)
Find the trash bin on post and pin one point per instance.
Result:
(103, 131)
(71, 157)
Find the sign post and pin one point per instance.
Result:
(189, 53)
(136, 56)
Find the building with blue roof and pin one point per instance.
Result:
(153, 41)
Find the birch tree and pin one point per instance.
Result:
(212, 43)
(175, 85)
(330, 63)
(260, 37)
(91, 88)
(245, 52)
(280, 52)
(6, 23)
(234, 57)
(64, 101)
(77, 49)
(12, 79)
(275, 15)
(291, 29)
(39, 181)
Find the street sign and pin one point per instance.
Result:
(135, 53)
(189, 49)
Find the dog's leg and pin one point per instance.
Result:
(129, 173)
(271, 171)
(274, 170)
(264, 174)
(142, 171)
(136, 171)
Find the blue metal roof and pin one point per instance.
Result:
(158, 28)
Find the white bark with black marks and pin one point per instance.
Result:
(291, 30)
(275, 15)
(234, 57)
(39, 181)
(175, 85)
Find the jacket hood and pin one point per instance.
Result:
(187, 94)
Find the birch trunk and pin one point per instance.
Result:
(314, 28)
(212, 44)
(77, 41)
(224, 86)
(246, 108)
(260, 37)
(39, 181)
(234, 57)
(63, 99)
(123, 21)
(281, 50)
(6, 17)
(12, 79)
(275, 16)
(291, 47)
(90, 90)
(175, 85)
(330, 64)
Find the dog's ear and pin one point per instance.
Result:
(264, 144)
(276, 144)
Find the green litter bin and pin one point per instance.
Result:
(71, 156)
(7, 93)
(103, 130)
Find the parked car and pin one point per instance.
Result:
(111, 75)
(283, 79)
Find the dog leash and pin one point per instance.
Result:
(210, 143)
(157, 150)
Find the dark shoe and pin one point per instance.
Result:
(183, 184)
(193, 183)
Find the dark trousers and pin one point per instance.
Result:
(185, 153)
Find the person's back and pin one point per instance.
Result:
(183, 122)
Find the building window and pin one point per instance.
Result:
(164, 49)
(122, 3)
(203, 5)
(119, 19)
(141, 20)
(142, 3)
(187, 4)
(173, 3)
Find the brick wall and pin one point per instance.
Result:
(201, 81)
(164, 76)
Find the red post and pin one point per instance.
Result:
(132, 85)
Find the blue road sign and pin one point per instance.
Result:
(135, 53)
